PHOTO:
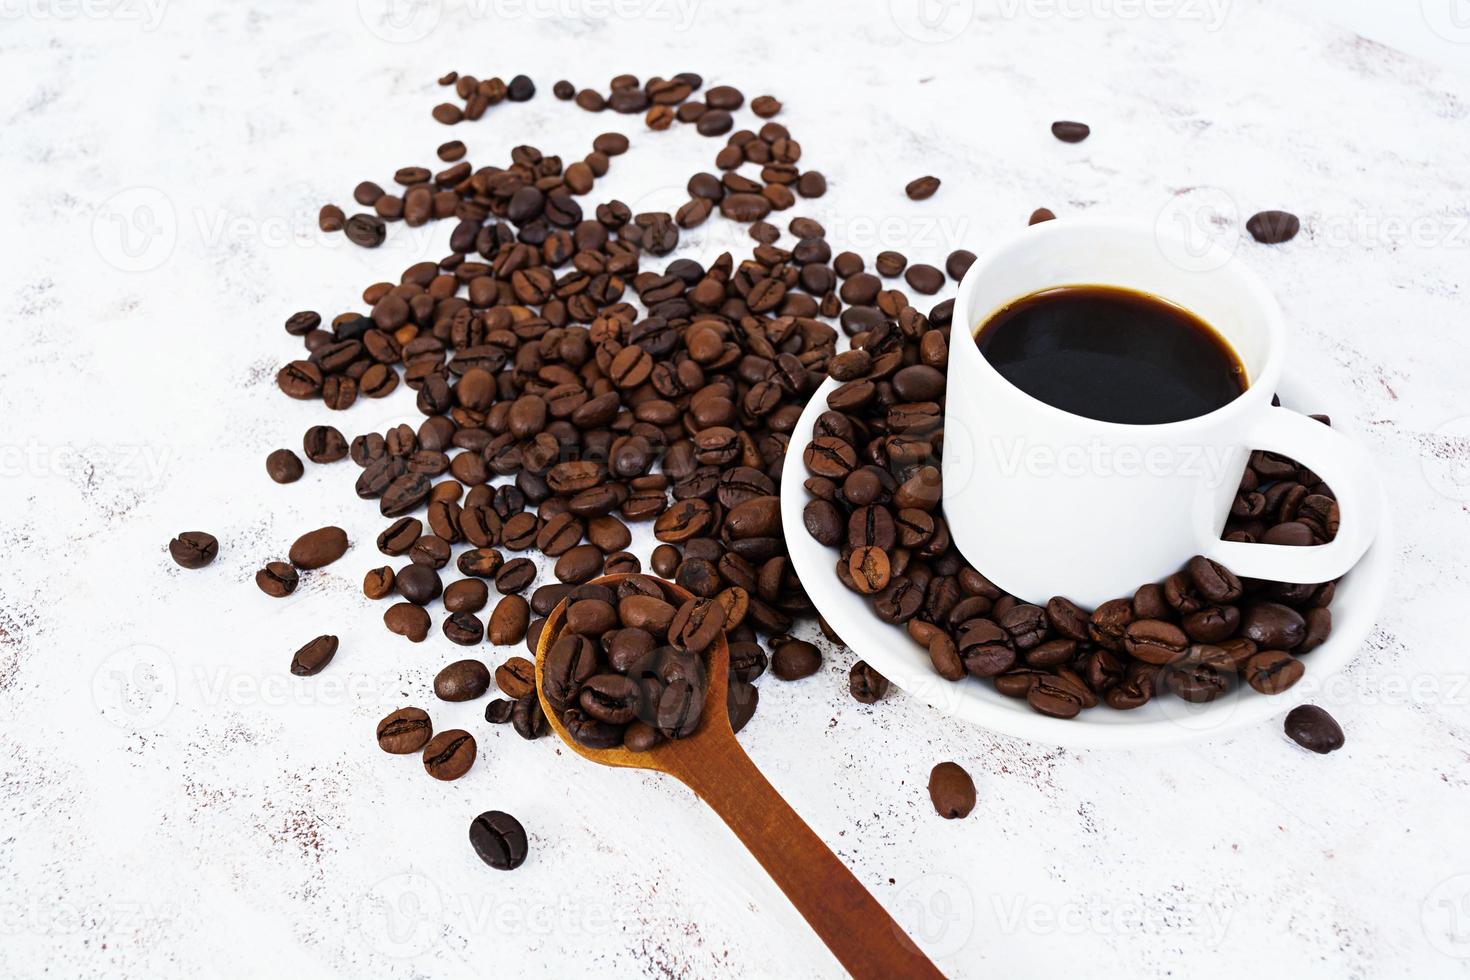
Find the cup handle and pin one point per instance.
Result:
(1346, 467)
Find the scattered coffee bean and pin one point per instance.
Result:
(277, 579)
(1314, 729)
(951, 790)
(866, 684)
(319, 548)
(284, 466)
(921, 188)
(499, 839)
(1070, 132)
(1273, 227)
(314, 656)
(463, 680)
(449, 755)
(194, 549)
(405, 731)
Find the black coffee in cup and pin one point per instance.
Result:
(1112, 354)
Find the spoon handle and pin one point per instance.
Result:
(863, 937)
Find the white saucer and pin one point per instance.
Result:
(1165, 720)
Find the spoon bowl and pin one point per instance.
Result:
(863, 937)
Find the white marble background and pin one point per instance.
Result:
(175, 804)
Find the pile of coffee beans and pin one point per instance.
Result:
(628, 666)
(876, 495)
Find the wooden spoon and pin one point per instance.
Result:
(865, 940)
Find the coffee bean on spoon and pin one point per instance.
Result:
(193, 549)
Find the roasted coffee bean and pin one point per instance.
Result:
(527, 718)
(870, 569)
(1214, 581)
(959, 263)
(419, 584)
(468, 595)
(449, 755)
(314, 656)
(397, 538)
(324, 444)
(581, 564)
(1314, 729)
(277, 579)
(866, 684)
(497, 837)
(464, 628)
(1070, 132)
(921, 188)
(1040, 215)
(405, 731)
(590, 732)
(1273, 626)
(515, 575)
(1053, 696)
(366, 230)
(319, 548)
(500, 711)
(1273, 227)
(795, 659)
(509, 621)
(1273, 671)
(1155, 641)
(516, 678)
(741, 700)
(463, 680)
(378, 583)
(194, 549)
(407, 620)
(480, 562)
(284, 466)
(951, 790)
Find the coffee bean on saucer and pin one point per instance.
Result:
(921, 188)
(866, 684)
(951, 790)
(449, 755)
(1313, 728)
(463, 680)
(194, 549)
(1273, 227)
(1273, 671)
(1070, 132)
(314, 656)
(277, 579)
(319, 548)
(284, 466)
(499, 839)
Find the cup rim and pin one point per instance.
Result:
(1260, 388)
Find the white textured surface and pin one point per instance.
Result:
(214, 816)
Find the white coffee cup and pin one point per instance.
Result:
(1045, 502)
